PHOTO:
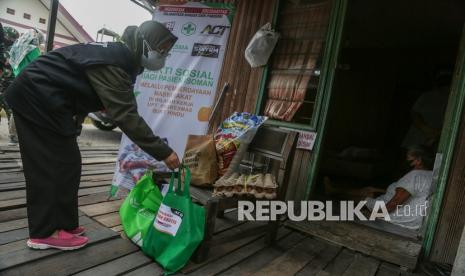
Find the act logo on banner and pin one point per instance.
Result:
(177, 100)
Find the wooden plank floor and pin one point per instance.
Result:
(373, 242)
(109, 253)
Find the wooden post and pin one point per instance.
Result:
(459, 263)
(52, 20)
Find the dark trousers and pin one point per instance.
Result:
(52, 168)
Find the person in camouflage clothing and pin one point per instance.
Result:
(2, 49)
(9, 37)
(2, 63)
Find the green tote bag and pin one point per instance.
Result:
(139, 208)
(178, 227)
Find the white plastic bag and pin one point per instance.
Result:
(261, 45)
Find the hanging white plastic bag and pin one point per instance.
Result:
(261, 45)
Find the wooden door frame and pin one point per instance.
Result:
(336, 27)
(447, 145)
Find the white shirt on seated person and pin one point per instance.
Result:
(407, 199)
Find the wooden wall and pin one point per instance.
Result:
(452, 220)
(298, 181)
(244, 81)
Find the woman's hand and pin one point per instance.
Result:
(172, 161)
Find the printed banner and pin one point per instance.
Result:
(177, 100)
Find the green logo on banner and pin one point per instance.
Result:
(188, 29)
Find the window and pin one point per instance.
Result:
(294, 69)
(10, 11)
(26, 16)
(42, 20)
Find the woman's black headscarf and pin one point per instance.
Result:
(153, 32)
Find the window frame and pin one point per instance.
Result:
(27, 16)
(324, 71)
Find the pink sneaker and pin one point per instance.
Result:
(77, 231)
(64, 241)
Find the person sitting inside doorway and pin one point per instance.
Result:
(407, 199)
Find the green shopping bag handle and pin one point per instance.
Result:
(187, 181)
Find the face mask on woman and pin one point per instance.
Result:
(151, 59)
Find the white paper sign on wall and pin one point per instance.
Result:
(306, 140)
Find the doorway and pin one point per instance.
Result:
(396, 61)
(391, 53)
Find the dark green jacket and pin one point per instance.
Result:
(115, 90)
(57, 88)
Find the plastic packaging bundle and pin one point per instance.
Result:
(232, 139)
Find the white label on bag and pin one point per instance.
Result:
(168, 220)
